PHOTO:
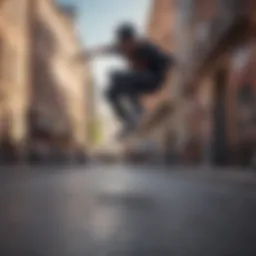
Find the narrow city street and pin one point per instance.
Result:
(119, 210)
(84, 93)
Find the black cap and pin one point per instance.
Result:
(125, 31)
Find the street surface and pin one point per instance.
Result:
(126, 211)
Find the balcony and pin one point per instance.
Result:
(214, 35)
(208, 32)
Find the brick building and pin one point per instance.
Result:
(161, 26)
(212, 48)
(60, 100)
(14, 73)
(45, 101)
(213, 42)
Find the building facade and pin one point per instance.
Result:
(45, 95)
(161, 26)
(215, 40)
(60, 100)
(213, 119)
(14, 74)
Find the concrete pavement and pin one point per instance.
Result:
(127, 211)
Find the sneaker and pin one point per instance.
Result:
(131, 125)
(127, 129)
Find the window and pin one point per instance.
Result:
(202, 32)
(241, 58)
(187, 10)
(9, 64)
(12, 11)
(1, 57)
(45, 39)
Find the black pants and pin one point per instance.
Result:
(130, 85)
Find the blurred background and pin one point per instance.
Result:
(52, 109)
(182, 183)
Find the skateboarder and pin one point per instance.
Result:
(148, 65)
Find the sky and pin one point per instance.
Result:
(97, 20)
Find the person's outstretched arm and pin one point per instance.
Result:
(90, 54)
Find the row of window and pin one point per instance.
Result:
(8, 63)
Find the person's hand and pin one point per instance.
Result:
(88, 55)
(82, 56)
